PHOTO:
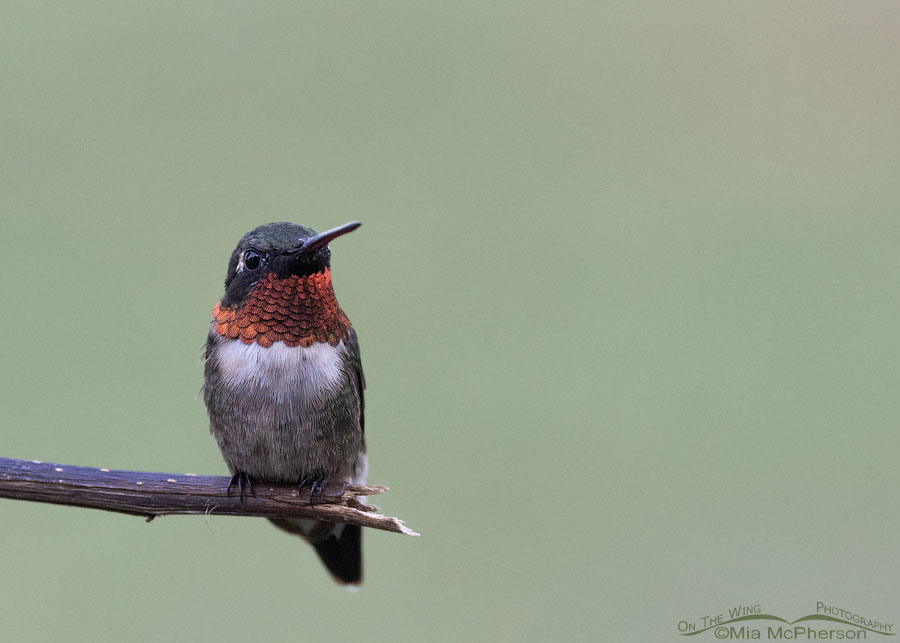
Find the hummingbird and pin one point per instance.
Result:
(283, 381)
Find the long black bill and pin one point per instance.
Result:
(324, 238)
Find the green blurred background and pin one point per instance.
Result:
(627, 293)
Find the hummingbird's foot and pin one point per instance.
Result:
(241, 480)
(316, 482)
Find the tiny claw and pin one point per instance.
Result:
(242, 480)
(322, 483)
(315, 483)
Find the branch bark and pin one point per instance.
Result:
(158, 494)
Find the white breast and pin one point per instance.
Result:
(307, 371)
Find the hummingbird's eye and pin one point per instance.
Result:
(252, 259)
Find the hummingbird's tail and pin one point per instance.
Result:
(341, 552)
(338, 545)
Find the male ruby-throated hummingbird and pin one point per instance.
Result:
(284, 382)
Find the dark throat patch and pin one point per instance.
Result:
(296, 310)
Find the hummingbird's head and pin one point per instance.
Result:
(282, 249)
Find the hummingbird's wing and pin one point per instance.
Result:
(355, 363)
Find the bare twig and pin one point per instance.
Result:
(158, 494)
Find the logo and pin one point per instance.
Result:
(750, 623)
